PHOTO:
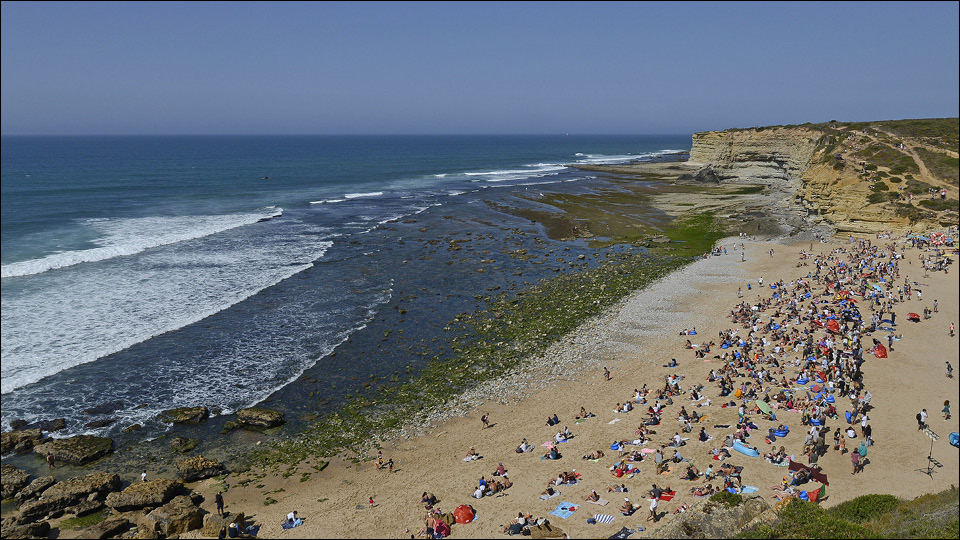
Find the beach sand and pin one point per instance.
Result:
(634, 340)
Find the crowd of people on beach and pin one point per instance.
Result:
(794, 356)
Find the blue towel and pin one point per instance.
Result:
(563, 510)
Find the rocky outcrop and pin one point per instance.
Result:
(176, 517)
(198, 467)
(110, 528)
(20, 441)
(13, 480)
(183, 444)
(60, 497)
(31, 530)
(707, 519)
(144, 494)
(77, 450)
(34, 489)
(259, 418)
(185, 415)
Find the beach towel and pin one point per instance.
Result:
(290, 525)
(545, 497)
(603, 518)
(668, 496)
(614, 421)
(601, 502)
(564, 510)
(748, 489)
(624, 533)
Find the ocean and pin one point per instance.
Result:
(145, 273)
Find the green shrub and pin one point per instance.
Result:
(864, 508)
(881, 186)
(726, 498)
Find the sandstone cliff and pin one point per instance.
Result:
(830, 175)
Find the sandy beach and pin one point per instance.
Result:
(635, 340)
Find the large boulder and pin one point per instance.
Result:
(110, 528)
(259, 418)
(34, 489)
(183, 445)
(20, 441)
(13, 480)
(77, 450)
(185, 415)
(139, 495)
(212, 523)
(31, 530)
(178, 516)
(196, 468)
(705, 175)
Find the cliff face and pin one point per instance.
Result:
(777, 156)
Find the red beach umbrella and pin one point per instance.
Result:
(463, 514)
(915, 317)
(880, 351)
(833, 325)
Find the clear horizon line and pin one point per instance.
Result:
(339, 134)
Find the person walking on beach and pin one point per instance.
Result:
(486, 420)
(946, 410)
(921, 419)
(949, 371)
(951, 329)
(219, 500)
(606, 374)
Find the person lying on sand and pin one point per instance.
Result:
(594, 455)
(622, 488)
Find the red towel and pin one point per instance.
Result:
(667, 496)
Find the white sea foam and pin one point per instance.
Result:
(600, 159)
(503, 175)
(360, 195)
(119, 237)
(327, 201)
(64, 319)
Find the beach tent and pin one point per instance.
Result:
(464, 514)
(442, 529)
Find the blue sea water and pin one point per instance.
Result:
(144, 273)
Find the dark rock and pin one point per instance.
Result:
(705, 175)
(183, 444)
(19, 423)
(86, 507)
(31, 530)
(176, 517)
(229, 426)
(54, 425)
(105, 408)
(259, 418)
(185, 415)
(13, 480)
(100, 423)
(131, 428)
(150, 494)
(105, 529)
(77, 450)
(20, 441)
(34, 489)
(198, 467)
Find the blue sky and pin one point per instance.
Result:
(542, 67)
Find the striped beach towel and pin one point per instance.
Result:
(603, 518)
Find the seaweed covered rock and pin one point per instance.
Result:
(13, 480)
(196, 468)
(176, 517)
(183, 444)
(77, 450)
(60, 497)
(185, 415)
(259, 418)
(212, 523)
(144, 494)
(20, 441)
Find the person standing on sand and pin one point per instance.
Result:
(921, 419)
(949, 371)
(606, 374)
(946, 410)
(219, 499)
(486, 420)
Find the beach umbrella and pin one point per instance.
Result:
(915, 317)
(880, 351)
(833, 325)
(463, 514)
